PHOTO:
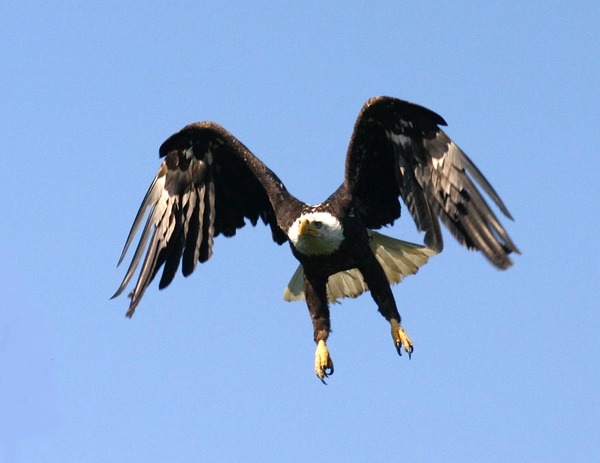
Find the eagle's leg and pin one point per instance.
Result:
(315, 291)
(382, 295)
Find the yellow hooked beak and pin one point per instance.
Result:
(306, 229)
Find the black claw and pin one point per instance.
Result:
(327, 371)
(399, 349)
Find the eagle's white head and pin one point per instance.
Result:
(316, 233)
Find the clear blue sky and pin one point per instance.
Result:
(218, 367)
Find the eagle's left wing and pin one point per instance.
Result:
(398, 149)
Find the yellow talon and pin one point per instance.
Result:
(323, 363)
(401, 339)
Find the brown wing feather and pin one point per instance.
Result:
(208, 184)
(397, 149)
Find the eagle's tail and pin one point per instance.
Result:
(398, 259)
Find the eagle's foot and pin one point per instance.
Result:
(323, 363)
(401, 339)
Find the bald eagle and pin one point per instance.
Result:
(209, 183)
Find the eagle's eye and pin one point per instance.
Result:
(318, 224)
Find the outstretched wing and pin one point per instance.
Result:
(397, 148)
(207, 185)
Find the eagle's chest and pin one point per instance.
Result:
(346, 257)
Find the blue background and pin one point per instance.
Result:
(218, 367)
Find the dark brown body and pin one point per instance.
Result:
(353, 253)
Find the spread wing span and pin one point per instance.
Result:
(207, 184)
(397, 149)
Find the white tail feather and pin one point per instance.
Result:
(397, 258)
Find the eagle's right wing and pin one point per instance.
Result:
(207, 184)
